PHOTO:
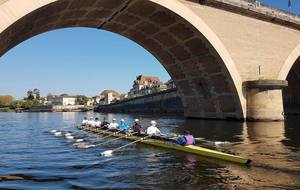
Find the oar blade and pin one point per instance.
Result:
(79, 140)
(107, 153)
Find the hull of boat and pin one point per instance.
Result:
(170, 145)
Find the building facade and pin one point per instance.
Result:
(62, 100)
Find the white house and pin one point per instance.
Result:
(63, 100)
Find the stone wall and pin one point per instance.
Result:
(56, 108)
(166, 102)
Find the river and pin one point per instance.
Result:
(31, 157)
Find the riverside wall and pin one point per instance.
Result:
(165, 102)
(56, 108)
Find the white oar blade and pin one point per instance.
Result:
(58, 133)
(69, 137)
(53, 131)
(84, 145)
(107, 153)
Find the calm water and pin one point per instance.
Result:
(33, 158)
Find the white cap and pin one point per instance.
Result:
(114, 119)
(136, 120)
(122, 120)
(153, 122)
(91, 117)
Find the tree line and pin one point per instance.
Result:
(8, 103)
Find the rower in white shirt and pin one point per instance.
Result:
(90, 122)
(97, 123)
(153, 130)
(84, 121)
(113, 126)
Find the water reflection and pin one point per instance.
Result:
(292, 133)
(213, 130)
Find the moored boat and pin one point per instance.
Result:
(171, 145)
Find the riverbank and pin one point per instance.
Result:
(60, 108)
(6, 110)
(166, 102)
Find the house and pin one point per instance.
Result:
(62, 100)
(142, 85)
(110, 96)
(96, 100)
(90, 101)
(170, 84)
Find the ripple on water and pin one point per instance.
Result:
(33, 158)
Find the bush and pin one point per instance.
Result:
(5, 101)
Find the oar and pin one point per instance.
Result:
(114, 133)
(111, 140)
(109, 152)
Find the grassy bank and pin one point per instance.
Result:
(6, 110)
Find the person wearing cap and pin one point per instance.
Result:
(123, 127)
(153, 130)
(97, 123)
(137, 128)
(113, 126)
(186, 139)
(84, 121)
(104, 124)
(90, 122)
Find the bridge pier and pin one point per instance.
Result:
(264, 100)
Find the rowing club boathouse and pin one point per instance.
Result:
(230, 59)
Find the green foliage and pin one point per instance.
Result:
(16, 104)
(5, 101)
(37, 93)
(25, 104)
(5, 110)
(30, 95)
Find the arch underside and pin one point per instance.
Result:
(291, 94)
(203, 81)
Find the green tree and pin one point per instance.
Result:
(5, 101)
(16, 104)
(36, 92)
(30, 95)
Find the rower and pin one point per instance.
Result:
(123, 127)
(84, 121)
(153, 130)
(113, 126)
(137, 128)
(97, 123)
(90, 122)
(186, 139)
(104, 124)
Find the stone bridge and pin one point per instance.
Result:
(230, 59)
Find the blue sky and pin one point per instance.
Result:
(75, 61)
(82, 61)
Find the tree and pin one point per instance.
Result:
(37, 93)
(16, 104)
(6, 101)
(30, 95)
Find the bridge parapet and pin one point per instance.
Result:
(257, 10)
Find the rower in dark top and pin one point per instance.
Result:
(186, 139)
(137, 128)
(104, 124)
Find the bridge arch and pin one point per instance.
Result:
(290, 71)
(206, 77)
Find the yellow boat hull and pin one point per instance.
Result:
(170, 145)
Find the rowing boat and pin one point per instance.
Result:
(171, 145)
